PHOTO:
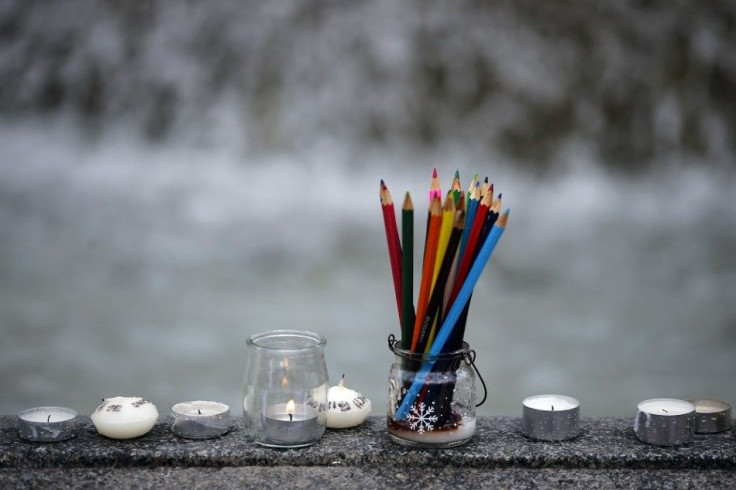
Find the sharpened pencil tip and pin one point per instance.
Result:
(457, 173)
(501, 223)
(434, 173)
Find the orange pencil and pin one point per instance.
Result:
(430, 250)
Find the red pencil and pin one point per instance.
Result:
(392, 239)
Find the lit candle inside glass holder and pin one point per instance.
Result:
(291, 424)
(47, 424)
(200, 419)
(285, 388)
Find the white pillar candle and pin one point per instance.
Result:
(124, 417)
(200, 419)
(346, 407)
(550, 417)
(47, 424)
(664, 421)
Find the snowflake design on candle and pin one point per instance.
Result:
(421, 418)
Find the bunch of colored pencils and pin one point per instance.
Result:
(462, 230)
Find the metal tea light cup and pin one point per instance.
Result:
(200, 419)
(47, 424)
(550, 417)
(711, 416)
(665, 421)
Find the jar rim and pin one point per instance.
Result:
(425, 356)
(308, 341)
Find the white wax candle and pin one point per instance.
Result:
(124, 417)
(346, 407)
(666, 406)
(48, 415)
(200, 408)
(551, 402)
(710, 406)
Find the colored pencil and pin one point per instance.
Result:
(471, 207)
(431, 315)
(456, 188)
(434, 187)
(407, 272)
(430, 250)
(469, 252)
(448, 217)
(392, 239)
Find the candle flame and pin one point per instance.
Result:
(290, 407)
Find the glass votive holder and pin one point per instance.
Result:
(200, 419)
(431, 398)
(285, 388)
(47, 424)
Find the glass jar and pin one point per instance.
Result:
(431, 398)
(285, 388)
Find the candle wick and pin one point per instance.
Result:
(291, 418)
(199, 411)
(664, 410)
(553, 408)
(48, 420)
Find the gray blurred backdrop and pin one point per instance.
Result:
(178, 175)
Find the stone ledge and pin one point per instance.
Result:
(608, 444)
(281, 477)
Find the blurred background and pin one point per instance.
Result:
(176, 176)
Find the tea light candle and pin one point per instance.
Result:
(664, 421)
(290, 424)
(551, 417)
(346, 407)
(47, 424)
(124, 417)
(711, 416)
(200, 419)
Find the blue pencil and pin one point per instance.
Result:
(457, 308)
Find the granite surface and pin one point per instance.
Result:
(605, 454)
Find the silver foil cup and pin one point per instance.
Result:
(200, 419)
(711, 416)
(665, 421)
(47, 424)
(551, 417)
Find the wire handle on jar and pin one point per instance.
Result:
(469, 359)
